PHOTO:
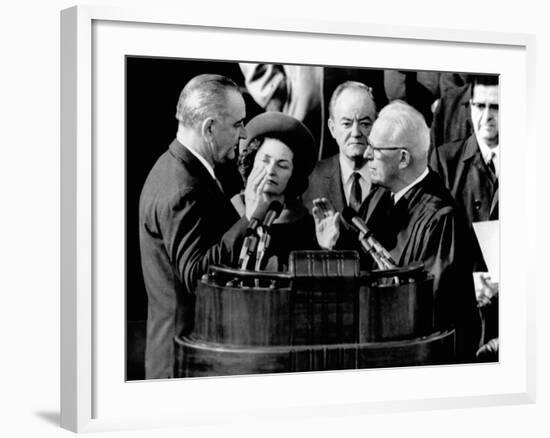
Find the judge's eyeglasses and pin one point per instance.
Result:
(369, 152)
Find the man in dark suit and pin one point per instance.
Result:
(343, 179)
(186, 222)
(470, 167)
(470, 170)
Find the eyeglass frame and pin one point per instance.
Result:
(369, 145)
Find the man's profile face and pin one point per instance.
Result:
(229, 129)
(484, 110)
(351, 122)
(382, 155)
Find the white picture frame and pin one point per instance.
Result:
(93, 398)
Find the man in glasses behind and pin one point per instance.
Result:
(425, 223)
(470, 167)
(470, 170)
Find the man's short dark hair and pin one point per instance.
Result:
(487, 80)
(202, 97)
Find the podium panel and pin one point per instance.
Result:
(390, 312)
(245, 316)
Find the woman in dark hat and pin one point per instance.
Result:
(275, 162)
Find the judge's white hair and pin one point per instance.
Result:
(400, 125)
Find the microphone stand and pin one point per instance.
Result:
(265, 239)
(248, 248)
(250, 244)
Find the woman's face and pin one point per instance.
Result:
(276, 158)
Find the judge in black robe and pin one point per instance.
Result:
(425, 224)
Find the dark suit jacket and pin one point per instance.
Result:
(183, 216)
(326, 182)
(464, 172)
(452, 116)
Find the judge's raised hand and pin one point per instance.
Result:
(327, 223)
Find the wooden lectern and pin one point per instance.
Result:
(324, 314)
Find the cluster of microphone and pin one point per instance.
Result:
(258, 237)
(381, 256)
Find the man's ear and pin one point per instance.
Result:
(207, 127)
(404, 158)
(330, 124)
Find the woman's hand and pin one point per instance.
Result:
(327, 223)
(253, 190)
(254, 194)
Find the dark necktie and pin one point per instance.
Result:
(491, 164)
(355, 196)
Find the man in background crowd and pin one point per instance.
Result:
(470, 167)
(343, 179)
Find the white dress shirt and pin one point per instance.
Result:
(397, 196)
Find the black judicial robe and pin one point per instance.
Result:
(426, 226)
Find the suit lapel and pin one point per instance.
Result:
(195, 167)
(472, 153)
(333, 181)
(208, 184)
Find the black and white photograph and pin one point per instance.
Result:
(285, 218)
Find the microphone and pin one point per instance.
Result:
(273, 213)
(251, 236)
(380, 262)
(249, 246)
(258, 216)
(380, 255)
(351, 216)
